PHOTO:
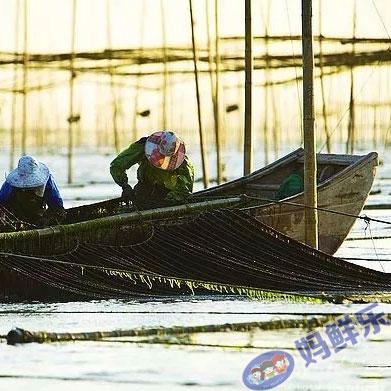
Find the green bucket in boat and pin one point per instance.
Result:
(291, 185)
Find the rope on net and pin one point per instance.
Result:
(222, 252)
(117, 205)
(361, 217)
(10, 223)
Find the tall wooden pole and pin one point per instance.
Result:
(202, 146)
(165, 70)
(352, 117)
(248, 147)
(15, 86)
(310, 195)
(324, 109)
(266, 88)
(214, 85)
(71, 95)
(276, 142)
(138, 77)
(218, 117)
(25, 79)
(112, 84)
(269, 94)
(374, 138)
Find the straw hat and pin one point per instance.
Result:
(165, 150)
(30, 173)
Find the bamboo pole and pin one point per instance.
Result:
(98, 121)
(273, 100)
(14, 94)
(248, 147)
(21, 336)
(324, 109)
(270, 84)
(266, 89)
(41, 128)
(276, 126)
(310, 194)
(165, 70)
(202, 146)
(25, 77)
(239, 123)
(211, 75)
(374, 128)
(232, 63)
(218, 118)
(352, 117)
(266, 124)
(335, 39)
(71, 95)
(112, 81)
(138, 79)
(214, 85)
(10, 239)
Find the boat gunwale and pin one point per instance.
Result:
(285, 160)
(291, 157)
(332, 180)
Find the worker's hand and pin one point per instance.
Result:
(60, 215)
(127, 193)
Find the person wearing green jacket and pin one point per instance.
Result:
(164, 174)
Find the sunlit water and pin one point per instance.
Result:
(141, 366)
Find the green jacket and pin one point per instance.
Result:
(179, 182)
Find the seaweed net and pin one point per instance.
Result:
(10, 223)
(221, 252)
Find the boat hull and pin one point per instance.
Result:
(345, 195)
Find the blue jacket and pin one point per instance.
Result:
(51, 195)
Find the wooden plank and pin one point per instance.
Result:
(343, 160)
(260, 186)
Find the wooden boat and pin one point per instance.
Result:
(344, 182)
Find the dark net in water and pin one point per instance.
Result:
(221, 252)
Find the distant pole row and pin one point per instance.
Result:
(22, 87)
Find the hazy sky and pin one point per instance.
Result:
(49, 21)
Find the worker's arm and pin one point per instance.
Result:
(184, 182)
(125, 160)
(5, 192)
(52, 195)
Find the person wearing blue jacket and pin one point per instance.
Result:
(30, 192)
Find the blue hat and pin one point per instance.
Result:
(29, 173)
